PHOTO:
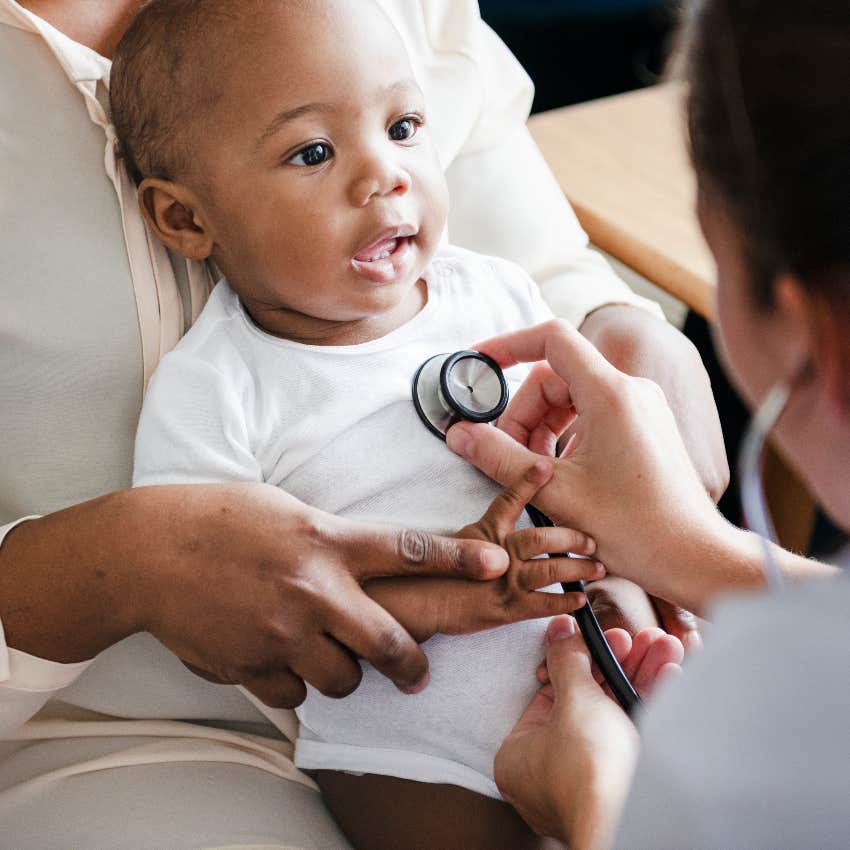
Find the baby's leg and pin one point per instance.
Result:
(619, 603)
(385, 813)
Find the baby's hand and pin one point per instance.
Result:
(428, 606)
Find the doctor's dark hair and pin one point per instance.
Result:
(162, 83)
(769, 122)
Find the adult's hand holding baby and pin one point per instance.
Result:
(244, 583)
(261, 590)
(624, 478)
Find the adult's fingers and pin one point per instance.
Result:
(567, 658)
(571, 356)
(539, 411)
(679, 623)
(370, 632)
(620, 642)
(277, 689)
(329, 667)
(497, 455)
(371, 551)
(656, 650)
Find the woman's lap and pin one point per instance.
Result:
(178, 804)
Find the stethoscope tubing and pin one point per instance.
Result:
(589, 626)
(591, 631)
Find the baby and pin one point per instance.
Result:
(288, 142)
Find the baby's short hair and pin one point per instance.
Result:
(162, 81)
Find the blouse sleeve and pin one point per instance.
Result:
(27, 682)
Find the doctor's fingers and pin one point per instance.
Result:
(371, 551)
(540, 411)
(573, 358)
(500, 457)
(679, 623)
(653, 653)
(620, 642)
(369, 632)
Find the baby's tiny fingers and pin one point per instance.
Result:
(528, 543)
(542, 674)
(541, 572)
(543, 604)
(506, 509)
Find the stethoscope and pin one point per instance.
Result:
(753, 501)
(470, 386)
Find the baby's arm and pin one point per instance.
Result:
(456, 607)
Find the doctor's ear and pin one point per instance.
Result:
(821, 333)
(171, 211)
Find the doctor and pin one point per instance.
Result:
(749, 748)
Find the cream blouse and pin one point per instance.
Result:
(91, 301)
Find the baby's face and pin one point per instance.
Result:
(319, 184)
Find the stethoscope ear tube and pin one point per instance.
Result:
(591, 631)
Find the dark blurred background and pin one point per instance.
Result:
(577, 50)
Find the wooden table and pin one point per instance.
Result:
(623, 164)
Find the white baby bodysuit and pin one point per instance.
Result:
(335, 427)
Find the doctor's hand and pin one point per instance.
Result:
(639, 344)
(429, 606)
(567, 764)
(625, 476)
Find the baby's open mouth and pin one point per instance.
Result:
(387, 257)
(379, 251)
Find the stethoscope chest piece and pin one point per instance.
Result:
(470, 386)
(466, 385)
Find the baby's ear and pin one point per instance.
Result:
(169, 209)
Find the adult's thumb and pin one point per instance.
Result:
(496, 454)
(567, 658)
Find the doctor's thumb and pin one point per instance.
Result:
(497, 455)
(567, 658)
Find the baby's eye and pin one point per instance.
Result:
(405, 129)
(314, 154)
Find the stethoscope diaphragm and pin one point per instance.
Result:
(463, 386)
(470, 386)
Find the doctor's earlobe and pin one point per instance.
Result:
(168, 209)
(819, 326)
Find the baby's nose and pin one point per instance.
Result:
(378, 180)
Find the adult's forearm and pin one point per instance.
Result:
(725, 561)
(644, 346)
(66, 580)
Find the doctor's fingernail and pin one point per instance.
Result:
(459, 441)
(559, 629)
(692, 641)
